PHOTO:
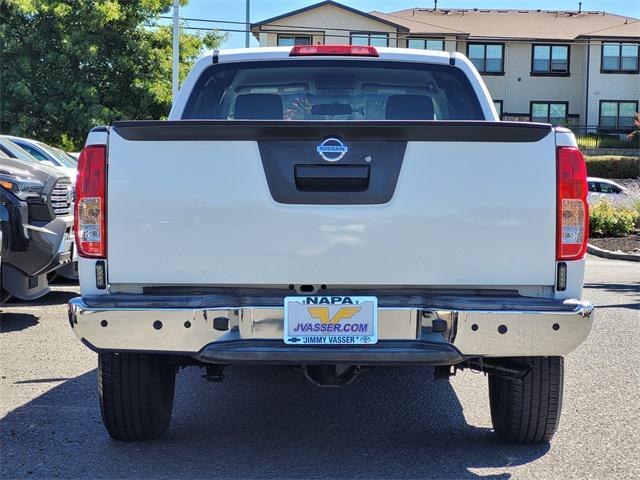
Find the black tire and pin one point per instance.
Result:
(528, 411)
(136, 394)
(4, 296)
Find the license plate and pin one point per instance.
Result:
(330, 320)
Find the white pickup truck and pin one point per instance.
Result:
(332, 208)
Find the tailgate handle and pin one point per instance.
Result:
(332, 178)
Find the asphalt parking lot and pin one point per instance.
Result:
(268, 422)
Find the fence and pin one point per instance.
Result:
(594, 136)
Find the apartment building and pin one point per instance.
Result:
(576, 68)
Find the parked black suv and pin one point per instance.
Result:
(37, 205)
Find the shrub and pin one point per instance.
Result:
(632, 200)
(607, 166)
(605, 141)
(608, 219)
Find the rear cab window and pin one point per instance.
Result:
(332, 90)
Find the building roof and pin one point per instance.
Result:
(491, 23)
(272, 20)
(529, 24)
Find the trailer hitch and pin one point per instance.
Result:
(214, 372)
(331, 375)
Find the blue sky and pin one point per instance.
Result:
(234, 10)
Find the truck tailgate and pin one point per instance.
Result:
(474, 204)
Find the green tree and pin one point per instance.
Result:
(69, 65)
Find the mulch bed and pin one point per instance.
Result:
(627, 244)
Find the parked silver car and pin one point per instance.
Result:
(47, 154)
(600, 188)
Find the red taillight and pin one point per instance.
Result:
(350, 50)
(573, 211)
(90, 223)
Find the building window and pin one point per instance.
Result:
(369, 38)
(426, 43)
(291, 40)
(498, 105)
(487, 57)
(550, 59)
(617, 115)
(549, 112)
(620, 57)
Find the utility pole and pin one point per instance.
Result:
(176, 51)
(247, 37)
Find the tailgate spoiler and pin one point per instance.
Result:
(255, 130)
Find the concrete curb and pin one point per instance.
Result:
(601, 252)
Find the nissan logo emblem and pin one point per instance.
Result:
(332, 149)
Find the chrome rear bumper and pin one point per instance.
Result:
(253, 334)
